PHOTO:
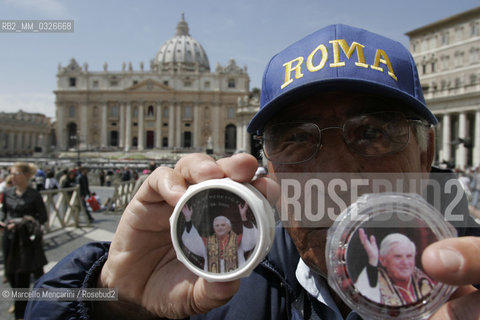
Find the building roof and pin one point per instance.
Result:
(443, 22)
(182, 51)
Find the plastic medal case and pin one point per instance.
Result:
(201, 244)
(398, 227)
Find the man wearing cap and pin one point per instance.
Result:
(339, 100)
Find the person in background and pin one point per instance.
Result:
(475, 187)
(82, 181)
(69, 180)
(109, 178)
(7, 183)
(126, 174)
(61, 177)
(40, 179)
(51, 182)
(23, 214)
(101, 177)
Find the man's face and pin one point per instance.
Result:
(327, 110)
(221, 227)
(399, 262)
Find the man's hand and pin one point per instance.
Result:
(457, 262)
(142, 263)
(243, 211)
(187, 213)
(370, 246)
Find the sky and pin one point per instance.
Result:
(117, 31)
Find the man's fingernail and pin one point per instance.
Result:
(451, 259)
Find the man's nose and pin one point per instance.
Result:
(334, 155)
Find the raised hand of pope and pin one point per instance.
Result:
(142, 263)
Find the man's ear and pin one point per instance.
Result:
(381, 260)
(426, 156)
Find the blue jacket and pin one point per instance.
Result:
(270, 292)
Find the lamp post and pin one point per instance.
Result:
(77, 144)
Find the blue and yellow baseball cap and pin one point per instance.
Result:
(340, 57)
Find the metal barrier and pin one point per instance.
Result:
(63, 208)
(121, 196)
(64, 205)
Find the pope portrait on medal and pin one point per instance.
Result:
(217, 231)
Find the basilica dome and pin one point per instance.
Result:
(182, 52)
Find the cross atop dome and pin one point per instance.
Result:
(182, 27)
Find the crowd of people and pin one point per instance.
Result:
(24, 214)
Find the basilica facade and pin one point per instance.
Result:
(175, 103)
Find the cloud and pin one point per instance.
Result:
(51, 8)
(31, 102)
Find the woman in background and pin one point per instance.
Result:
(23, 214)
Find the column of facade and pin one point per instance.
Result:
(35, 140)
(128, 127)
(18, 145)
(178, 126)
(42, 139)
(11, 145)
(23, 142)
(20, 141)
(240, 137)
(246, 139)
(158, 126)
(141, 133)
(476, 147)
(446, 137)
(28, 141)
(216, 116)
(60, 129)
(196, 126)
(461, 152)
(83, 126)
(2, 142)
(32, 141)
(171, 125)
(27, 144)
(30, 145)
(121, 133)
(104, 126)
